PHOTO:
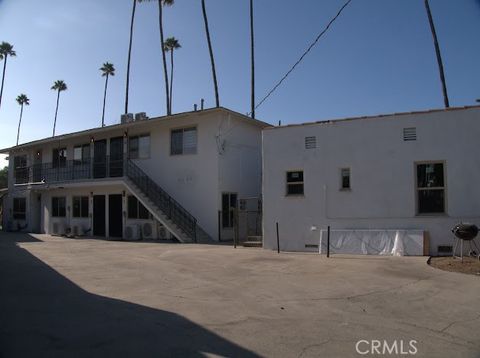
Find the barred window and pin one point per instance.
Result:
(295, 182)
(59, 207)
(19, 208)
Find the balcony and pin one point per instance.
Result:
(70, 170)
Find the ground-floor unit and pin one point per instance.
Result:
(378, 182)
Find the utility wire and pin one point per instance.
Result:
(303, 55)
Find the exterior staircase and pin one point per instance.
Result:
(162, 206)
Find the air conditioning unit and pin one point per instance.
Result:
(148, 231)
(132, 232)
(126, 118)
(75, 230)
(141, 116)
(163, 233)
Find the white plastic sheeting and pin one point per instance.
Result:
(373, 242)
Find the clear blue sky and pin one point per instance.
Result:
(377, 58)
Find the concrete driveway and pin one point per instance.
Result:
(65, 297)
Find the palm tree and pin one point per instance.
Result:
(130, 54)
(212, 59)
(21, 100)
(439, 56)
(5, 50)
(58, 86)
(107, 70)
(252, 52)
(171, 44)
(161, 4)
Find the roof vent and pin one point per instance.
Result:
(310, 142)
(409, 134)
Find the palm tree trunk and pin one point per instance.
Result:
(252, 45)
(164, 58)
(129, 55)
(3, 78)
(19, 122)
(439, 56)
(171, 78)
(212, 59)
(56, 111)
(104, 99)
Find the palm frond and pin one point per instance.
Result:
(59, 86)
(7, 50)
(22, 99)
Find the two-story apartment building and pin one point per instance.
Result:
(178, 176)
(373, 180)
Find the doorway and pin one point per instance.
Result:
(115, 220)
(37, 167)
(116, 157)
(100, 159)
(99, 215)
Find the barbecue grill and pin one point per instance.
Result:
(465, 232)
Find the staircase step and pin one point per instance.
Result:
(252, 244)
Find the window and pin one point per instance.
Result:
(345, 178)
(136, 210)
(430, 188)
(20, 169)
(58, 207)
(19, 208)
(80, 206)
(81, 154)
(310, 142)
(139, 147)
(295, 182)
(59, 157)
(229, 204)
(183, 141)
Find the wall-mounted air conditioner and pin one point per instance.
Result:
(126, 118)
(163, 233)
(148, 231)
(132, 232)
(141, 116)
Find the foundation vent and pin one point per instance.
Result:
(310, 142)
(409, 134)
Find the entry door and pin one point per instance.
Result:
(116, 157)
(115, 222)
(100, 159)
(99, 215)
(37, 167)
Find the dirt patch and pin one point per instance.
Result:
(469, 265)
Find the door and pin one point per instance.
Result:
(100, 159)
(99, 215)
(116, 157)
(37, 167)
(115, 222)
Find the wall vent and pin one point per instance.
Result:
(409, 134)
(310, 142)
(444, 249)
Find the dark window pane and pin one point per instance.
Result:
(225, 209)
(430, 175)
(54, 207)
(19, 208)
(76, 206)
(431, 201)
(84, 207)
(294, 189)
(62, 211)
(294, 176)
(176, 142)
(345, 178)
(133, 147)
(189, 140)
(132, 207)
(143, 212)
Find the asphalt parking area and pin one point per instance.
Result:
(66, 297)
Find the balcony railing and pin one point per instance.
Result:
(70, 170)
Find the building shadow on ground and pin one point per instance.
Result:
(42, 313)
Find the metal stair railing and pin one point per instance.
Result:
(169, 206)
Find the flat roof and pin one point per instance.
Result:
(330, 121)
(128, 125)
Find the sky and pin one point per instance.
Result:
(377, 58)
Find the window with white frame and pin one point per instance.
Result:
(136, 210)
(20, 169)
(80, 206)
(183, 141)
(59, 208)
(59, 157)
(345, 179)
(295, 182)
(19, 208)
(81, 154)
(430, 188)
(139, 147)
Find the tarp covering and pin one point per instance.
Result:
(373, 242)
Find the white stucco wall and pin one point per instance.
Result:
(383, 173)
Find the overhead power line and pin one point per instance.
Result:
(304, 54)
